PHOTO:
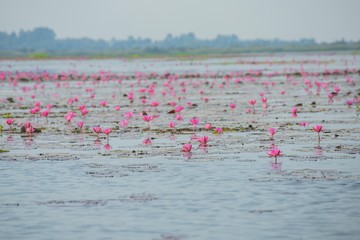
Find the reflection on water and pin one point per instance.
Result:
(9, 138)
(318, 151)
(203, 148)
(28, 140)
(187, 155)
(107, 147)
(97, 142)
(276, 166)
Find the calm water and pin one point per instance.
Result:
(62, 185)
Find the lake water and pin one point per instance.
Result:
(66, 184)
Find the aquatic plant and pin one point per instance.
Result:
(294, 111)
(80, 124)
(272, 132)
(208, 126)
(218, 130)
(303, 124)
(252, 102)
(318, 129)
(107, 131)
(274, 152)
(97, 130)
(172, 124)
(186, 147)
(203, 140)
(29, 129)
(9, 122)
(194, 121)
(147, 118)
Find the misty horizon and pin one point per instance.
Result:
(19, 32)
(322, 20)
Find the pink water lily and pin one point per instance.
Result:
(303, 124)
(172, 124)
(208, 126)
(318, 129)
(10, 122)
(29, 129)
(203, 140)
(147, 118)
(218, 130)
(272, 132)
(274, 152)
(194, 121)
(107, 131)
(97, 130)
(186, 147)
(80, 124)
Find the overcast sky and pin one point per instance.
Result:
(324, 20)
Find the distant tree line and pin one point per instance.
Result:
(43, 39)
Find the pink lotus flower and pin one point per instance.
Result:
(107, 131)
(194, 121)
(303, 124)
(179, 108)
(124, 123)
(80, 124)
(45, 113)
(84, 111)
(70, 116)
(10, 121)
(29, 129)
(218, 130)
(274, 152)
(349, 103)
(81, 107)
(97, 130)
(34, 110)
(208, 126)
(147, 141)
(179, 117)
(103, 103)
(252, 102)
(154, 104)
(186, 147)
(117, 108)
(147, 118)
(272, 132)
(318, 129)
(294, 110)
(232, 105)
(172, 124)
(129, 114)
(203, 140)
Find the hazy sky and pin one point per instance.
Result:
(324, 20)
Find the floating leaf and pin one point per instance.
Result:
(7, 115)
